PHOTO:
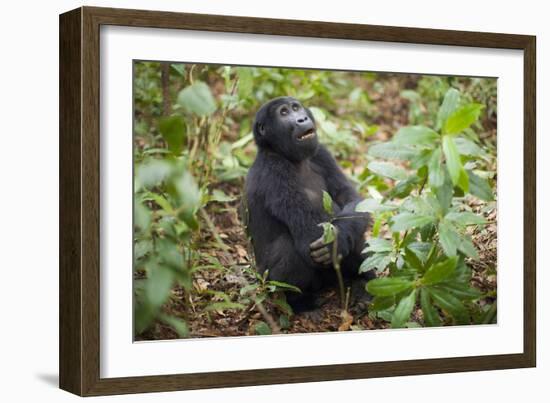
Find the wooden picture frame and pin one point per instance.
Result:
(80, 199)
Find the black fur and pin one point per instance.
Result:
(284, 200)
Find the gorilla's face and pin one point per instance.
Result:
(286, 127)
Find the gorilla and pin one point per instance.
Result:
(284, 201)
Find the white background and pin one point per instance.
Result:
(29, 202)
(119, 357)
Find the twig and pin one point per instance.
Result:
(213, 229)
(268, 318)
(336, 264)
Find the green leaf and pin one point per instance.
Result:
(450, 304)
(284, 286)
(415, 135)
(142, 215)
(388, 170)
(197, 99)
(406, 221)
(179, 68)
(448, 238)
(377, 261)
(160, 200)
(392, 151)
(378, 245)
(373, 206)
(460, 290)
(454, 165)
(440, 271)
(327, 204)
(173, 131)
(152, 172)
(179, 325)
(329, 233)
(468, 147)
(444, 193)
(466, 246)
(448, 106)
(490, 315)
(159, 284)
(262, 328)
(413, 260)
(479, 187)
(462, 118)
(403, 310)
(381, 303)
(465, 218)
(431, 316)
(388, 286)
(436, 176)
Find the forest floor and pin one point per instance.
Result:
(224, 275)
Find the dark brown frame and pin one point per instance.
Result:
(79, 200)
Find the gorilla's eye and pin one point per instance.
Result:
(284, 111)
(295, 107)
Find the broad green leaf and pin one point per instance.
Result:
(448, 238)
(284, 286)
(413, 260)
(465, 218)
(448, 106)
(179, 325)
(490, 315)
(444, 193)
(415, 135)
(403, 310)
(462, 118)
(479, 187)
(329, 233)
(405, 221)
(160, 200)
(388, 286)
(439, 271)
(197, 99)
(431, 316)
(327, 204)
(373, 206)
(460, 290)
(450, 304)
(436, 176)
(283, 305)
(466, 246)
(468, 147)
(392, 151)
(381, 303)
(454, 165)
(151, 173)
(378, 245)
(262, 328)
(179, 68)
(377, 261)
(142, 215)
(159, 283)
(388, 170)
(173, 131)
(188, 191)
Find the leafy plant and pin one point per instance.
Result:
(426, 260)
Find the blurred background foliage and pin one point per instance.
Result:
(193, 271)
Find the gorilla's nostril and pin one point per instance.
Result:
(302, 120)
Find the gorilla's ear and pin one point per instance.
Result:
(259, 128)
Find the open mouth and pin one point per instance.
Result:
(306, 135)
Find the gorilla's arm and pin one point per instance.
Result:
(351, 224)
(277, 187)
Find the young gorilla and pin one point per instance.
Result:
(284, 197)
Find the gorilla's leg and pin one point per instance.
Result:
(286, 265)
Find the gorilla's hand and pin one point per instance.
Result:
(322, 252)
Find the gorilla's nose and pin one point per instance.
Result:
(302, 120)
